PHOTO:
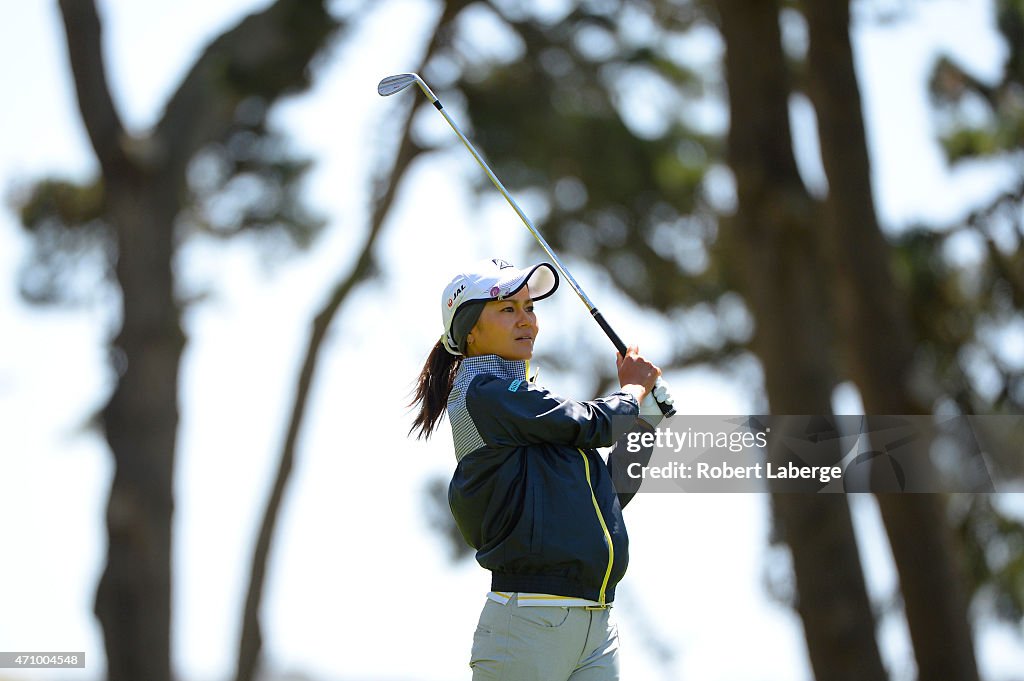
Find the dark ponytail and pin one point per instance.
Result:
(432, 389)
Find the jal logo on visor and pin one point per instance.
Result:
(458, 292)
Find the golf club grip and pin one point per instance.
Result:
(609, 331)
(664, 404)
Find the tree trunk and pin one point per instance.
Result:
(880, 350)
(133, 600)
(780, 251)
(266, 55)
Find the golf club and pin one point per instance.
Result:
(395, 84)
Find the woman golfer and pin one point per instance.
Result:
(530, 492)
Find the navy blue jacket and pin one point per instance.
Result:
(531, 493)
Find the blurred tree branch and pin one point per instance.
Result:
(85, 50)
(385, 190)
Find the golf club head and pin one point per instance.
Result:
(396, 83)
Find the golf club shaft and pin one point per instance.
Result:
(665, 401)
(515, 206)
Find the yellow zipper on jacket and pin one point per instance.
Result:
(604, 528)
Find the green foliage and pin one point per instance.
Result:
(983, 119)
(958, 312)
(71, 245)
(993, 542)
(242, 176)
(963, 310)
(964, 316)
(249, 182)
(970, 142)
(72, 205)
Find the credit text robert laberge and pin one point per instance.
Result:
(735, 442)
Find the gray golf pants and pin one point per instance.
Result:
(541, 643)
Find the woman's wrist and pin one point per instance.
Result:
(636, 390)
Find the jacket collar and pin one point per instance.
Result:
(510, 369)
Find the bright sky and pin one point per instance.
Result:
(354, 557)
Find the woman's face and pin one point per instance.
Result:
(507, 328)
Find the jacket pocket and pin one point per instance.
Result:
(537, 531)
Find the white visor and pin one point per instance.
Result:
(492, 280)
